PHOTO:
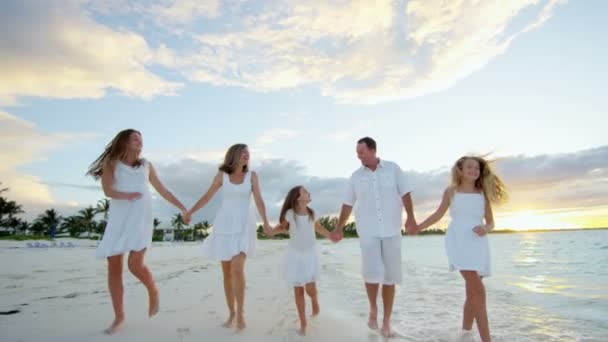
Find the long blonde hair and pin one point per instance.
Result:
(232, 158)
(493, 188)
(115, 150)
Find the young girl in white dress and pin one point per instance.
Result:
(234, 229)
(302, 260)
(474, 188)
(124, 178)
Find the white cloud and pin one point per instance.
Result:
(355, 51)
(362, 51)
(21, 143)
(185, 11)
(59, 51)
(276, 134)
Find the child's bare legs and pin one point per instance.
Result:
(301, 306)
(229, 292)
(141, 272)
(116, 292)
(237, 269)
(468, 311)
(475, 305)
(311, 290)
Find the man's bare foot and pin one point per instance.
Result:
(229, 322)
(154, 303)
(372, 323)
(115, 327)
(315, 308)
(386, 331)
(302, 331)
(240, 324)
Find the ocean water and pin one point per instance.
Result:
(549, 286)
(545, 287)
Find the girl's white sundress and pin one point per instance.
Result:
(465, 249)
(302, 259)
(129, 226)
(234, 228)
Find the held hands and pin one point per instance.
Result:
(267, 229)
(336, 235)
(480, 230)
(186, 216)
(411, 227)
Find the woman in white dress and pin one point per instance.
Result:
(474, 188)
(302, 259)
(234, 229)
(124, 179)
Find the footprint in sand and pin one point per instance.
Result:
(182, 332)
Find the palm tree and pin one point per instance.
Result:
(201, 230)
(177, 222)
(87, 216)
(103, 207)
(206, 226)
(73, 224)
(23, 227)
(329, 222)
(9, 209)
(48, 219)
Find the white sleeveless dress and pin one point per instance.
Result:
(129, 226)
(234, 228)
(466, 250)
(302, 260)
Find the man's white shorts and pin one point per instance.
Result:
(381, 260)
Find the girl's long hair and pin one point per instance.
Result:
(115, 150)
(291, 202)
(493, 188)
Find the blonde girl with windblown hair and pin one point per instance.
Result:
(474, 188)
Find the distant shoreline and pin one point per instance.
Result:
(516, 231)
(507, 231)
(510, 231)
(347, 236)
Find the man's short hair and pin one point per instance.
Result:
(369, 142)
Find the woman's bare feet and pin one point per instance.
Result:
(240, 323)
(115, 326)
(386, 331)
(154, 304)
(302, 330)
(230, 321)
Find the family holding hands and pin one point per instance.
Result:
(377, 192)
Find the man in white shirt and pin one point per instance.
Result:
(377, 191)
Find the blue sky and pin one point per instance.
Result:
(300, 84)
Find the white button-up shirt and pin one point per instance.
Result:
(376, 198)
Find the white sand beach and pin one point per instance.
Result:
(60, 295)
